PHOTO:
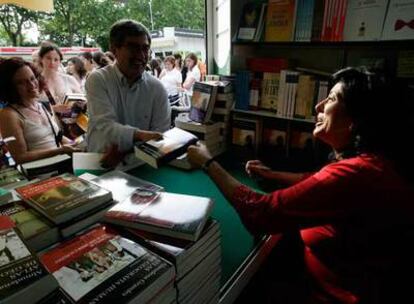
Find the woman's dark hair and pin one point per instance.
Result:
(178, 57)
(87, 56)
(100, 59)
(79, 66)
(47, 47)
(110, 55)
(122, 29)
(193, 57)
(381, 112)
(155, 65)
(8, 68)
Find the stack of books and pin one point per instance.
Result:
(100, 266)
(23, 277)
(197, 263)
(56, 208)
(207, 133)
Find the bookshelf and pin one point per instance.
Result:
(320, 58)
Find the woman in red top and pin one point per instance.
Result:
(356, 215)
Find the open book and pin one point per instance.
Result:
(173, 144)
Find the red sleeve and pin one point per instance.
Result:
(333, 192)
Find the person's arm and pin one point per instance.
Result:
(11, 125)
(189, 81)
(256, 167)
(331, 193)
(163, 73)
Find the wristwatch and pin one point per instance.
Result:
(207, 164)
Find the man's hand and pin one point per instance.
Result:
(112, 157)
(146, 135)
(197, 155)
(257, 168)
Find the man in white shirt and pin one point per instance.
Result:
(126, 104)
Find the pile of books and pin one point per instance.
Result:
(163, 247)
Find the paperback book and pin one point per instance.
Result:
(64, 197)
(22, 275)
(37, 231)
(202, 101)
(11, 178)
(175, 215)
(47, 167)
(173, 143)
(100, 266)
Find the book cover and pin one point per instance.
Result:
(399, 22)
(270, 91)
(184, 122)
(364, 19)
(75, 122)
(202, 101)
(10, 178)
(122, 184)
(101, 265)
(280, 20)
(176, 215)
(22, 276)
(173, 144)
(249, 21)
(63, 197)
(37, 231)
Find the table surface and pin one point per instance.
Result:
(237, 242)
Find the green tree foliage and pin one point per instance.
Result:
(87, 22)
(12, 19)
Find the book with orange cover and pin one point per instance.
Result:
(280, 21)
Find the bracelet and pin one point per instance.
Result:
(207, 164)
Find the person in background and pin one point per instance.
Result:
(126, 105)
(87, 60)
(110, 57)
(76, 68)
(179, 66)
(35, 59)
(355, 216)
(57, 84)
(171, 79)
(193, 73)
(36, 132)
(100, 59)
(155, 65)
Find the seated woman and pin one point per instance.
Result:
(193, 73)
(355, 216)
(171, 79)
(24, 117)
(57, 84)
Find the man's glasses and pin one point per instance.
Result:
(134, 48)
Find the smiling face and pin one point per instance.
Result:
(26, 84)
(51, 61)
(132, 56)
(333, 124)
(189, 63)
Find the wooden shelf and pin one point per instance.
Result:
(330, 44)
(263, 113)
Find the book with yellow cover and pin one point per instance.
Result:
(280, 20)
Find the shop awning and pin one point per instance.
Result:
(36, 5)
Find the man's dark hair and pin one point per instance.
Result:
(122, 29)
(87, 55)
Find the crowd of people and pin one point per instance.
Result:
(355, 216)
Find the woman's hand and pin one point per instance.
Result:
(197, 155)
(69, 149)
(146, 135)
(256, 167)
(61, 108)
